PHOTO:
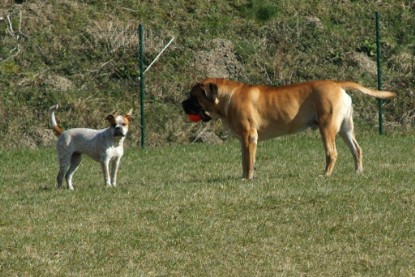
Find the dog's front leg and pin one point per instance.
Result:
(248, 145)
(114, 171)
(106, 172)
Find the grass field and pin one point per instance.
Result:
(184, 211)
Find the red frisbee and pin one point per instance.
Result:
(194, 117)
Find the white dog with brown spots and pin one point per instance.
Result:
(104, 146)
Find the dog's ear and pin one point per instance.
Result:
(197, 89)
(209, 91)
(111, 119)
(212, 92)
(129, 115)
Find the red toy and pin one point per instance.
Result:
(194, 117)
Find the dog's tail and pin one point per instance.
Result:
(376, 93)
(56, 129)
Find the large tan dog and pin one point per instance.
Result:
(255, 112)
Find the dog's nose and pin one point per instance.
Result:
(118, 132)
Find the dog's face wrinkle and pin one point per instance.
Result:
(192, 106)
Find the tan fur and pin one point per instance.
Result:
(256, 112)
(55, 127)
(57, 130)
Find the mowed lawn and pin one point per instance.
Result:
(184, 211)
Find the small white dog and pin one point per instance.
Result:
(104, 146)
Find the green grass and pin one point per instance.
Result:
(184, 211)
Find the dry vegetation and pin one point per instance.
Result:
(84, 56)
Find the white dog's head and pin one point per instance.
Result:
(120, 123)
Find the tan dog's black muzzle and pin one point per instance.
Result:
(192, 106)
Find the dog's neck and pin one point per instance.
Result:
(118, 141)
(115, 141)
(222, 106)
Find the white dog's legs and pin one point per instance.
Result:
(114, 170)
(105, 171)
(61, 175)
(75, 162)
(64, 164)
(68, 165)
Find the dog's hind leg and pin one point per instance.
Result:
(249, 146)
(75, 162)
(64, 164)
(61, 175)
(328, 130)
(347, 134)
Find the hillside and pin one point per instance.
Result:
(84, 56)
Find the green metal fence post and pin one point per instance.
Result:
(379, 73)
(141, 56)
